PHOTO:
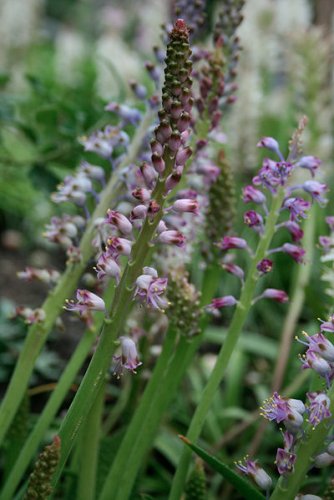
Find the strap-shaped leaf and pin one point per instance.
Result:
(241, 485)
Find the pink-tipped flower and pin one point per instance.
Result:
(250, 194)
(31, 316)
(141, 194)
(107, 266)
(229, 242)
(316, 190)
(328, 326)
(318, 408)
(129, 358)
(271, 144)
(297, 208)
(43, 275)
(219, 303)
(234, 269)
(151, 289)
(296, 232)
(285, 461)
(186, 205)
(85, 301)
(296, 252)
(117, 246)
(264, 266)
(253, 470)
(311, 163)
(157, 162)
(119, 220)
(172, 237)
(274, 294)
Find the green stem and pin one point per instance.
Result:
(53, 305)
(51, 408)
(136, 427)
(288, 487)
(100, 362)
(156, 398)
(89, 449)
(227, 349)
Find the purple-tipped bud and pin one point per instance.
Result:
(139, 90)
(330, 222)
(229, 242)
(296, 252)
(186, 205)
(173, 179)
(182, 156)
(153, 207)
(271, 144)
(149, 174)
(219, 303)
(139, 212)
(119, 220)
(296, 232)
(172, 237)
(264, 266)
(234, 269)
(316, 190)
(259, 475)
(156, 147)
(250, 194)
(163, 132)
(142, 194)
(311, 163)
(274, 294)
(183, 122)
(158, 163)
(174, 142)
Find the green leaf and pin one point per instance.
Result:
(240, 484)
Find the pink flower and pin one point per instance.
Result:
(297, 253)
(107, 266)
(119, 220)
(172, 237)
(274, 294)
(186, 205)
(316, 190)
(289, 411)
(229, 242)
(271, 144)
(297, 207)
(234, 269)
(259, 476)
(151, 289)
(86, 301)
(285, 461)
(296, 232)
(254, 220)
(129, 358)
(250, 194)
(311, 163)
(219, 303)
(264, 266)
(318, 408)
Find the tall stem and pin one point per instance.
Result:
(227, 349)
(53, 305)
(89, 449)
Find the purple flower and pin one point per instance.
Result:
(297, 207)
(296, 232)
(128, 115)
(234, 269)
(273, 174)
(31, 316)
(61, 230)
(73, 189)
(92, 171)
(326, 243)
(107, 266)
(316, 190)
(271, 144)
(229, 242)
(219, 303)
(289, 411)
(129, 358)
(312, 359)
(311, 163)
(274, 294)
(285, 461)
(320, 344)
(186, 205)
(254, 220)
(104, 141)
(297, 253)
(328, 326)
(250, 194)
(318, 408)
(172, 237)
(259, 475)
(120, 221)
(85, 301)
(330, 222)
(151, 289)
(265, 266)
